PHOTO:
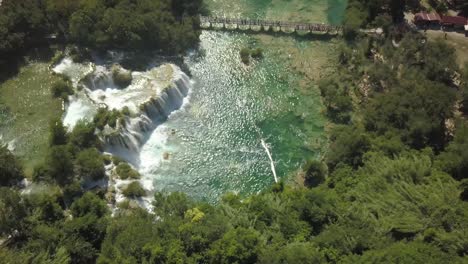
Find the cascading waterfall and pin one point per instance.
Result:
(128, 138)
(151, 97)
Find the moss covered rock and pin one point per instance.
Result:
(122, 78)
(125, 171)
(134, 190)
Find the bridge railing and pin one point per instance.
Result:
(270, 23)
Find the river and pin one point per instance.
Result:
(213, 144)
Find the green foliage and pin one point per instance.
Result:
(388, 196)
(296, 252)
(58, 133)
(90, 164)
(238, 245)
(62, 88)
(125, 171)
(105, 117)
(348, 146)
(11, 171)
(336, 99)
(83, 136)
(245, 55)
(116, 160)
(58, 56)
(122, 78)
(134, 190)
(360, 13)
(454, 159)
(12, 211)
(89, 203)
(412, 252)
(59, 164)
(170, 25)
(316, 173)
(45, 207)
(85, 232)
(256, 53)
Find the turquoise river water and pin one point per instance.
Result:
(213, 144)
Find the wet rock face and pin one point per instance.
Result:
(137, 101)
(133, 131)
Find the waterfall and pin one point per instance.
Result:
(151, 97)
(127, 139)
(101, 78)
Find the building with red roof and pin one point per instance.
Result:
(454, 21)
(424, 18)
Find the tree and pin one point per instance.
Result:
(62, 88)
(90, 164)
(348, 147)
(316, 173)
(89, 203)
(83, 136)
(12, 211)
(296, 252)
(45, 207)
(125, 171)
(238, 245)
(81, 27)
(58, 133)
(60, 164)
(10, 168)
(134, 190)
(454, 160)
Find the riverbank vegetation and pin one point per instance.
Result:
(246, 54)
(392, 187)
(169, 25)
(26, 108)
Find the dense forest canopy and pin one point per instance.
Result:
(170, 25)
(392, 188)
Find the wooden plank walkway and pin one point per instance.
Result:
(266, 25)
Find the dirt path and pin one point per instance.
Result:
(456, 40)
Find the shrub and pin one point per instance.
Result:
(107, 159)
(257, 53)
(59, 55)
(60, 164)
(10, 168)
(245, 55)
(90, 164)
(105, 116)
(62, 88)
(134, 190)
(116, 160)
(126, 111)
(315, 174)
(79, 55)
(125, 171)
(83, 136)
(41, 173)
(58, 133)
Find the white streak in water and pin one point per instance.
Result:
(265, 146)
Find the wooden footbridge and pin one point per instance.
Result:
(266, 25)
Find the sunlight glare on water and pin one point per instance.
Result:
(213, 144)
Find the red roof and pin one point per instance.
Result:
(454, 20)
(427, 17)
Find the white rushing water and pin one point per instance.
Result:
(152, 97)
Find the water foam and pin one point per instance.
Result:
(152, 97)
